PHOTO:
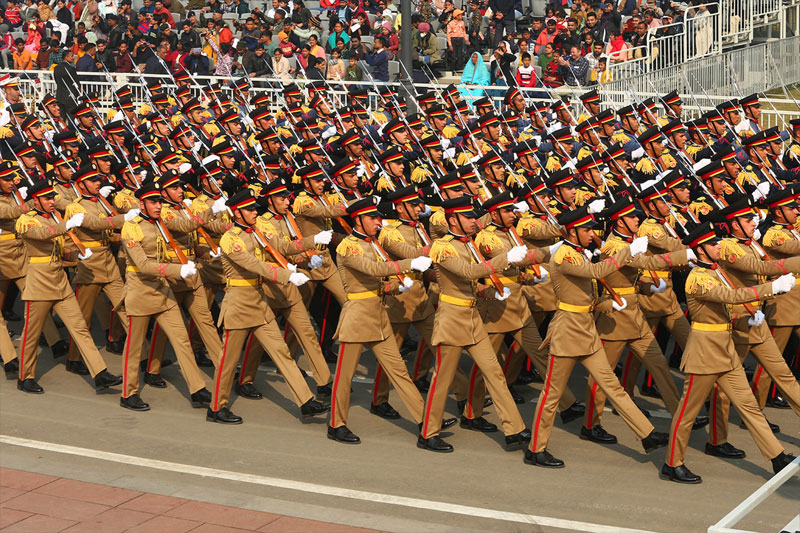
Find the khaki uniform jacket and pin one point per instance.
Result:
(147, 291)
(573, 333)
(245, 305)
(65, 196)
(630, 323)
(124, 200)
(13, 259)
(781, 243)
(96, 233)
(401, 241)
(210, 268)
(712, 352)
(746, 268)
(457, 274)
(364, 318)
(275, 229)
(659, 242)
(536, 231)
(45, 279)
(313, 216)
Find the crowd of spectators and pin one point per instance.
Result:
(340, 39)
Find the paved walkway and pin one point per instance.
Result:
(36, 503)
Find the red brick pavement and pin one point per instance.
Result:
(39, 503)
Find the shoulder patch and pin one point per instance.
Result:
(302, 202)
(700, 281)
(650, 228)
(231, 242)
(349, 246)
(438, 218)
(25, 222)
(774, 236)
(731, 250)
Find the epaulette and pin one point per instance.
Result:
(167, 214)
(553, 164)
(701, 281)
(211, 128)
(383, 184)
(527, 223)
(746, 176)
(144, 110)
(795, 149)
(693, 149)
(176, 119)
(774, 236)
(266, 227)
(487, 238)
(302, 202)
(231, 242)
(731, 250)
(582, 195)
(442, 249)
(333, 198)
(669, 161)
(701, 206)
(650, 228)
(125, 200)
(379, 118)
(349, 246)
(5, 132)
(569, 254)
(613, 245)
(131, 230)
(25, 222)
(419, 174)
(646, 166)
(73, 208)
(390, 233)
(438, 218)
(514, 179)
(450, 131)
(620, 137)
(464, 158)
(283, 131)
(198, 206)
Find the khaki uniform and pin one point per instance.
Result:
(458, 326)
(364, 321)
(148, 294)
(780, 242)
(99, 272)
(47, 288)
(629, 329)
(658, 308)
(574, 338)
(245, 310)
(710, 359)
(288, 301)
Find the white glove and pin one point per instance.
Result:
(406, 285)
(361, 170)
(315, 261)
(330, 132)
(450, 153)
(700, 164)
(639, 246)
(638, 153)
(783, 284)
(517, 254)
(23, 192)
(521, 207)
(595, 206)
(445, 144)
(188, 270)
(757, 234)
(106, 190)
(198, 145)
(504, 296)
(762, 189)
(425, 212)
(210, 159)
(130, 215)
(87, 255)
(218, 206)
(75, 221)
(757, 319)
(187, 202)
(421, 263)
(554, 247)
(597, 251)
(323, 237)
(184, 168)
(662, 286)
(298, 278)
(544, 276)
(215, 254)
(690, 255)
(569, 164)
(291, 267)
(618, 307)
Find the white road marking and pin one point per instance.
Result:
(317, 489)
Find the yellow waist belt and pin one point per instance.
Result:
(8, 236)
(39, 259)
(461, 302)
(186, 252)
(507, 280)
(575, 308)
(92, 244)
(664, 274)
(702, 326)
(252, 282)
(362, 295)
(132, 268)
(624, 290)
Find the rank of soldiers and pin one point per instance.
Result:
(528, 238)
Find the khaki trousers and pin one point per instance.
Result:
(677, 324)
(87, 298)
(648, 352)
(733, 383)
(380, 392)
(36, 313)
(762, 382)
(558, 372)
(271, 338)
(7, 350)
(447, 358)
(770, 359)
(388, 355)
(211, 291)
(171, 322)
(196, 303)
(49, 330)
(297, 319)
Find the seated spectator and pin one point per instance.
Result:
(548, 36)
(551, 76)
(353, 71)
(287, 48)
(391, 37)
(629, 28)
(617, 49)
(337, 33)
(159, 9)
(314, 48)
(305, 60)
(574, 68)
(475, 73)
(526, 75)
(360, 26)
(588, 44)
(22, 57)
(545, 58)
(357, 48)
(594, 57)
(427, 45)
(123, 59)
(280, 66)
(336, 66)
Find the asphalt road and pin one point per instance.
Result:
(297, 471)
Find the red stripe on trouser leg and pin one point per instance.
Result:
(508, 357)
(89, 323)
(24, 337)
(432, 390)
(219, 371)
(590, 407)
(152, 347)
(325, 316)
(678, 422)
(757, 377)
(472, 376)
(110, 321)
(419, 357)
(378, 372)
(540, 407)
(286, 332)
(125, 363)
(336, 385)
(649, 379)
(246, 356)
(714, 415)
